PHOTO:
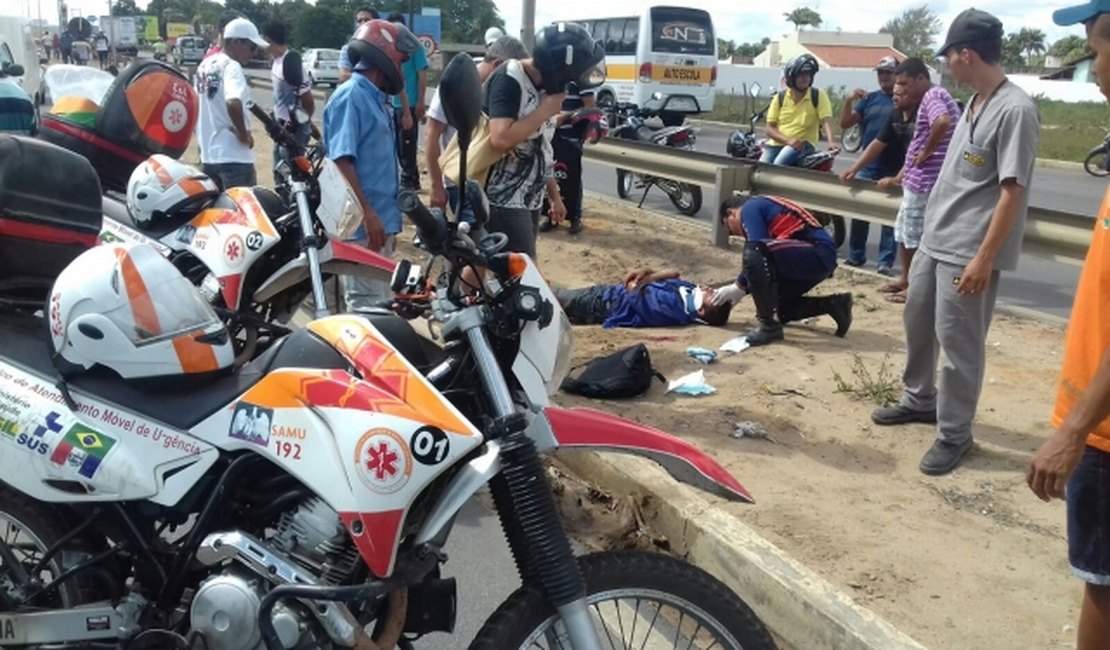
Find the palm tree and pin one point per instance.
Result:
(1032, 42)
(803, 16)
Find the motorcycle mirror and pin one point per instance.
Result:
(461, 94)
(754, 89)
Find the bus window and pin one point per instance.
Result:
(631, 35)
(600, 31)
(681, 32)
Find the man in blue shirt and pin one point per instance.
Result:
(408, 109)
(872, 111)
(786, 253)
(17, 109)
(645, 298)
(359, 137)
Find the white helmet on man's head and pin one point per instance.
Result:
(129, 309)
(492, 34)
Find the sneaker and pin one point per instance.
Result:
(943, 457)
(576, 226)
(885, 271)
(855, 263)
(898, 414)
(546, 225)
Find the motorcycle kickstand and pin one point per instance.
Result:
(647, 188)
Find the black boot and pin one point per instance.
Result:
(838, 306)
(575, 226)
(765, 294)
(547, 225)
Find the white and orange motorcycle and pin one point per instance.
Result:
(304, 500)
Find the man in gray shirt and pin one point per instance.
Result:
(974, 222)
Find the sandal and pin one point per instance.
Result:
(898, 298)
(892, 287)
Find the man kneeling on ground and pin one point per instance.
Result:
(646, 298)
(786, 254)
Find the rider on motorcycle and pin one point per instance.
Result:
(796, 113)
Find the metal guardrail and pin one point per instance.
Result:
(1052, 234)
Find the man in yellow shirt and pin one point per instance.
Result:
(795, 115)
(1074, 463)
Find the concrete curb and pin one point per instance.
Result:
(800, 607)
(1044, 163)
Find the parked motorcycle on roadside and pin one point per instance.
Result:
(631, 125)
(304, 500)
(1097, 162)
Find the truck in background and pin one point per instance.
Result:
(121, 33)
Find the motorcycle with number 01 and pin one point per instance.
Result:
(304, 500)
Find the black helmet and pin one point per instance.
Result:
(804, 64)
(565, 52)
(737, 144)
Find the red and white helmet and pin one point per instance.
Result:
(163, 188)
(383, 45)
(129, 309)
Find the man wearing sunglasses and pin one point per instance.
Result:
(223, 128)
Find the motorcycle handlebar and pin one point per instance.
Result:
(432, 228)
(274, 130)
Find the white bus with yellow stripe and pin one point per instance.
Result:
(669, 50)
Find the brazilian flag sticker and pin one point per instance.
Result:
(83, 449)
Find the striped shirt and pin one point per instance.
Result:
(934, 103)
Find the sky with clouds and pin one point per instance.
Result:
(748, 21)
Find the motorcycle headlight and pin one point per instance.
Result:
(562, 353)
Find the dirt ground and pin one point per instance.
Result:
(969, 560)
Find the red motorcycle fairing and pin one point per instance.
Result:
(345, 252)
(583, 427)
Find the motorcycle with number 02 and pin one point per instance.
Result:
(304, 500)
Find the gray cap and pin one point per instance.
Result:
(972, 25)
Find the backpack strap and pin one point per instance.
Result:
(814, 95)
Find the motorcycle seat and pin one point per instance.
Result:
(181, 404)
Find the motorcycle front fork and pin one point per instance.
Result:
(524, 502)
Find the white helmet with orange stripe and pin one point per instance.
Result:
(129, 309)
(162, 188)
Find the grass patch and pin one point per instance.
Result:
(1068, 130)
(881, 387)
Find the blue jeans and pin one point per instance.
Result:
(1088, 494)
(231, 174)
(467, 215)
(785, 156)
(860, 229)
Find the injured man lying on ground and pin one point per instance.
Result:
(645, 298)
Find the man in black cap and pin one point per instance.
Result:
(1074, 463)
(974, 222)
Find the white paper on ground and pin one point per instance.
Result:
(738, 344)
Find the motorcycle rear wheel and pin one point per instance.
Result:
(624, 183)
(638, 597)
(1098, 162)
(851, 139)
(687, 199)
(30, 528)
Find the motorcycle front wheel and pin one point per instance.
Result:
(687, 199)
(624, 183)
(851, 139)
(636, 600)
(1098, 162)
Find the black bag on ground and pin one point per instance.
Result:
(625, 373)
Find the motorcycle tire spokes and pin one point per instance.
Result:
(636, 600)
(1098, 162)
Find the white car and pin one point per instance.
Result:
(322, 65)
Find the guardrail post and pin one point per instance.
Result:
(730, 180)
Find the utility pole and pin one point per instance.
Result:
(114, 34)
(528, 24)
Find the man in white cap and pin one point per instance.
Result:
(223, 127)
(492, 34)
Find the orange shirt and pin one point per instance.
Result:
(1089, 329)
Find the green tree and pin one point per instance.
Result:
(803, 16)
(125, 8)
(1012, 48)
(322, 27)
(725, 49)
(1032, 42)
(1069, 48)
(914, 31)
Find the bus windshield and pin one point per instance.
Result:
(681, 31)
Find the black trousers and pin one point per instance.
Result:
(406, 149)
(584, 306)
(568, 172)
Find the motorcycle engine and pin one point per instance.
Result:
(313, 536)
(225, 607)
